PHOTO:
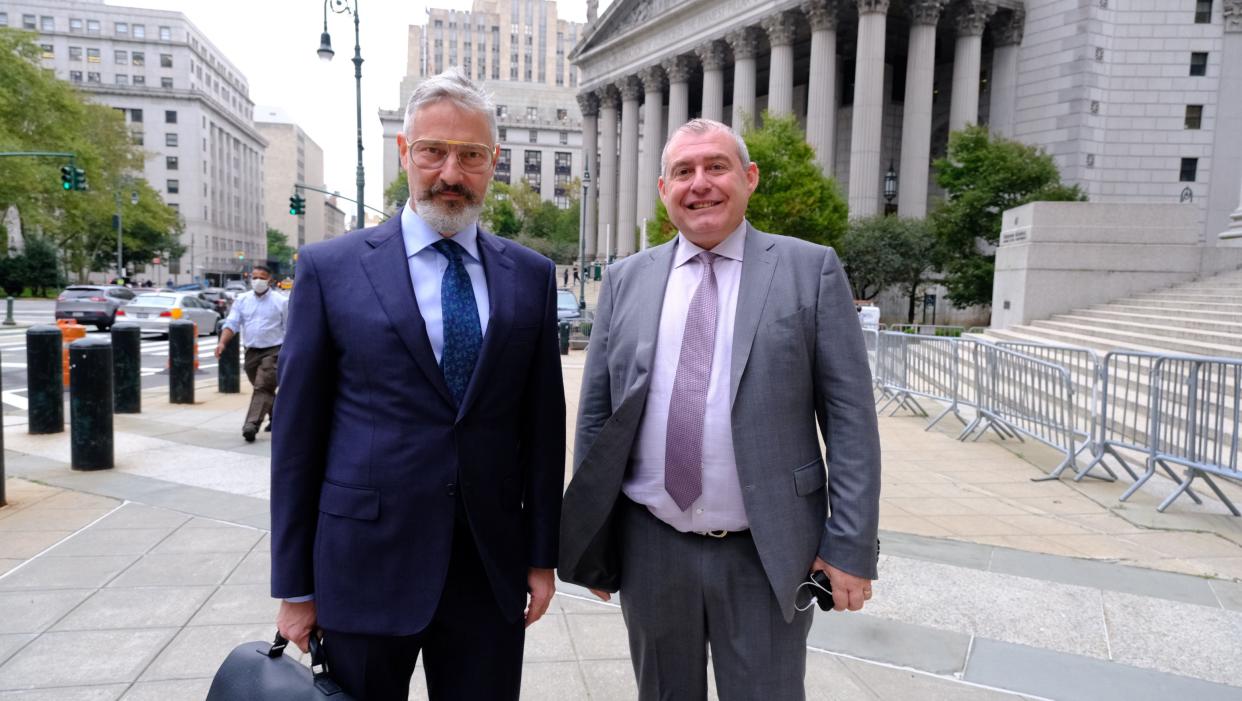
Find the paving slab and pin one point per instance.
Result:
(33, 611)
(1228, 593)
(899, 643)
(1177, 638)
(220, 539)
(168, 690)
(86, 693)
(110, 541)
(556, 681)
(11, 643)
(132, 515)
(66, 572)
(598, 637)
(178, 569)
(1102, 575)
(239, 603)
(83, 658)
(197, 652)
(548, 640)
(135, 607)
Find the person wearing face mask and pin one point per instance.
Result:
(259, 316)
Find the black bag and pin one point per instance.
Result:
(258, 671)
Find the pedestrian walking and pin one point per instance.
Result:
(418, 449)
(699, 489)
(259, 316)
(565, 277)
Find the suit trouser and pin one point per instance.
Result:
(260, 367)
(470, 651)
(684, 592)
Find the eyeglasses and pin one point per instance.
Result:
(433, 153)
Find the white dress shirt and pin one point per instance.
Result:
(427, 266)
(720, 505)
(260, 319)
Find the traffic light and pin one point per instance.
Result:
(79, 180)
(297, 205)
(66, 177)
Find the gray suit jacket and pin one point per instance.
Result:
(799, 363)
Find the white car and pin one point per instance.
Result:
(155, 310)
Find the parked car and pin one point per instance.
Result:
(567, 306)
(92, 304)
(155, 310)
(220, 300)
(236, 287)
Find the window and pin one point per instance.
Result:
(28, 22)
(122, 79)
(47, 51)
(136, 138)
(1190, 167)
(564, 138)
(139, 31)
(140, 80)
(1203, 11)
(138, 58)
(1194, 116)
(170, 139)
(504, 133)
(75, 53)
(121, 57)
(534, 160)
(532, 114)
(135, 115)
(75, 24)
(165, 33)
(92, 26)
(47, 24)
(534, 136)
(92, 77)
(121, 28)
(1198, 63)
(502, 111)
(562, 114)
(170, 116)
(564, 161)
(75, 76)
(170, 162)
(173, 187)
(165, 60)
(92, 56)
(4, 19)
(166, 83)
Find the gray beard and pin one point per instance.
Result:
(448, 219)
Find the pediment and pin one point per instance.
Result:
(621, 18)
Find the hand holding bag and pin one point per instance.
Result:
(259, 671)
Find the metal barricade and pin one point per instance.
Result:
(928, 329)
(915, 366)
(1196, 417)
(1018, 394)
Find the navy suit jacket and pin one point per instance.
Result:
(369, 449)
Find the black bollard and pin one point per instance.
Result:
(228, 371)
(126, 368)
(45, 380)
(90, 404)
(181, 361)
(563, 328)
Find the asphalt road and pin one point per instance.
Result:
(29, 312)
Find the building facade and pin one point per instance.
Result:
(291, 157)
(333, 218)
(518, 50)
(185, 104)
(1136, 100)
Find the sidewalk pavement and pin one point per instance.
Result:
(134, 582)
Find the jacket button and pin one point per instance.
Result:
(450, 489)
(750, 487)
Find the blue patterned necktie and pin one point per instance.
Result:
(463, 334)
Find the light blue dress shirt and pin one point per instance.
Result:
(427, 268)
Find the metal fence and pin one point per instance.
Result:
(913, 366)
(928, 329)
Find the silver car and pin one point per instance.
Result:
(155, 310)
(92, 304)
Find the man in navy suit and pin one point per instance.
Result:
(419, 444)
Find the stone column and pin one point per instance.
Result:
(781, 29)
(917, 116)
(714, 55)
(653, 141)
(744, 42)
(678, 70)
(1228, 138)
(865, 135)
(631, 90)
(972, 17)
(821, 103)
(1006, 36)
(589, 104)
(608, 99)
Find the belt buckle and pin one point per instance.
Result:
(716, 534)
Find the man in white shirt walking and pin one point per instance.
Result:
(259, 315)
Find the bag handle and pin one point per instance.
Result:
(318, 661)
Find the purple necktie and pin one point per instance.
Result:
(683, 446)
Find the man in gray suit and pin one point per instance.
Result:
(699, 489)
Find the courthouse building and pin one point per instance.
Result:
(185, 104)
(1137, 100)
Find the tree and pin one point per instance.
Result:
(882, 251)
(278, 250)
(499, 215)
(397, 192)
(983, 176)
(793, 197)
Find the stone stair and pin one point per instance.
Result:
(1203, 317)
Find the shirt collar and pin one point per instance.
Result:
(731, 247)
(418, 235)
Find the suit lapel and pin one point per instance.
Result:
(758, 267)
(498, 268)
(389, 272)
(648, 301)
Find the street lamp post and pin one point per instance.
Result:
(120, 261)
(326, 53)
(890, 184)
(582, 208)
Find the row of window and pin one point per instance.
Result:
(532, 113)
(96, 78)
(120, 57)
(46, 23)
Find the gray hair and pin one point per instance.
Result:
(452, 86)
(705, 126)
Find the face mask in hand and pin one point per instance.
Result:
(260, 286)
